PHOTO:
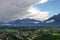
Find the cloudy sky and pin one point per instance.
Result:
(34, 9)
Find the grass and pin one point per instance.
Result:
(56, 34)
(11, 30)
(46, 30)
(8, 30)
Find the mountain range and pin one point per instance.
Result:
(52, 21)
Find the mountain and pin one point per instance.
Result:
(2, 23)
(25, 22)
(53, 21)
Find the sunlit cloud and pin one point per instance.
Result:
(37, 14)
(43, 1)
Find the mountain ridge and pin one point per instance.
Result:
(52, 21)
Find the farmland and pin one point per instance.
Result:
(30, 33)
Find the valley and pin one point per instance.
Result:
(29, 33)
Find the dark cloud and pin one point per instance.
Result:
(11, 9)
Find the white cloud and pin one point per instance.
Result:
(37, 14)
(50, 21)
(43, 1)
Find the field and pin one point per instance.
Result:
(8, 30)
(29, 33)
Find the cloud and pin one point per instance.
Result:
(37, 14)
(13, 9)
(50, 21)
(43, 1)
